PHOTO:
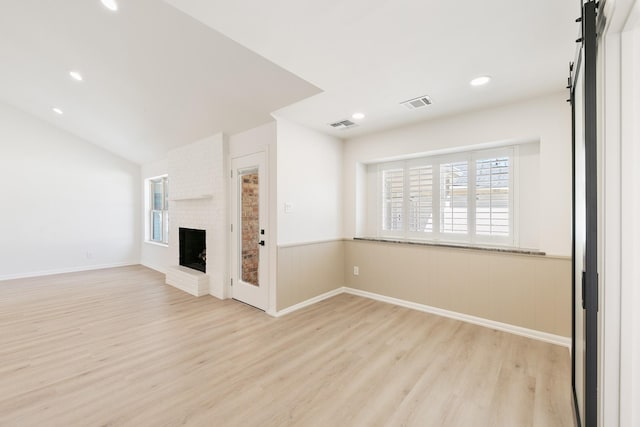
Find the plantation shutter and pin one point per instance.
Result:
(454, 197)
(493, 196)
(393, 199)
(420, 209)
(459, 197)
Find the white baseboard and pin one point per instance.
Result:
(505, 327)
(306, 303)
(66, 270)
(159, 269)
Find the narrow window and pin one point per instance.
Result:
(159, 210)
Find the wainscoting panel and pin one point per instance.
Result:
(308, 270)
(528, 291)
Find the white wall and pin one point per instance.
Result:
(152, 255)
(67, 205)
(310, 180)
(547, 119)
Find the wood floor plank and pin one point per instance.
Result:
(117, 347)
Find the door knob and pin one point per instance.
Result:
(261, 242)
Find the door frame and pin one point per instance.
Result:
(234, 228)
(620, 272)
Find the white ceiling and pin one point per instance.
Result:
(370, 55)
(155, 78)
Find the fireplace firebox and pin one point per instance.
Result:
(193, 249)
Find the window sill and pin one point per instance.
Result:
(454, 245)
(164, 245)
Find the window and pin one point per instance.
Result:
(454, 197)
(393, 199)
(420, 199)
(493, 188)
(467, 196)
(158, 210)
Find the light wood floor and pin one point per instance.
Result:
(118, 347)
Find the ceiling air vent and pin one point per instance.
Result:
(419, 102)
(343, 124)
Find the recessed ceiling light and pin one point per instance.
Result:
(110, 4)
(75, 75)
(479, 81)
(358, 116)
(57, 110)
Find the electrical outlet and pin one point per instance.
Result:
(356, 270)
(89, 255)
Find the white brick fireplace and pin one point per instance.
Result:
(198, 199)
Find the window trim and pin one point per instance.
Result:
(435, 161)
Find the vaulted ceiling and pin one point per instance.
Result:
(158, 74)
(153, 77)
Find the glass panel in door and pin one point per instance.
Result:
(250, 227)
